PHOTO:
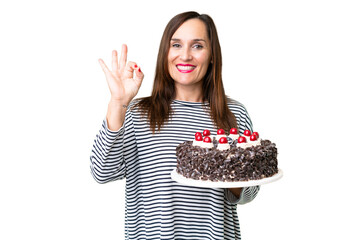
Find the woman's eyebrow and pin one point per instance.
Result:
(195, 40)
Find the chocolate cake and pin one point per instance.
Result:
(245, 158)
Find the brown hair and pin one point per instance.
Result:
(157, 107)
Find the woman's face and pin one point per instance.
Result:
(190, 54)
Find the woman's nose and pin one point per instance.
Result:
(185, 54)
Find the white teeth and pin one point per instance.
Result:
(185, 67)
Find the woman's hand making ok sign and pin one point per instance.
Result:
(124, 79)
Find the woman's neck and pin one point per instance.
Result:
(189, 94)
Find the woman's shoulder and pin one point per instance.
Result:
(134, 102)
(232, 103)
(138, 102)
(239, 110)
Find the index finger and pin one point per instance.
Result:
(123, 56)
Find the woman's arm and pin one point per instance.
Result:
(236, 191)
(246, 194)
(108, 161)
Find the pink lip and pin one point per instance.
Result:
(185, 71)
(185, 65)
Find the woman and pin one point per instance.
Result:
(138, 138)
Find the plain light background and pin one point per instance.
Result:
(293, 64)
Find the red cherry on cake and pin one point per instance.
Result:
(242, 140)
(198, 137)
(233, 131)
(253, 138)
(223, 140)
(206, 132)
(207, 139)
(197, 133)
(256, 133)
(247, 133)
(221, 132)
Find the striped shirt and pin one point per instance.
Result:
(156, 206)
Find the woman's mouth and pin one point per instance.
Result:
(185, 68)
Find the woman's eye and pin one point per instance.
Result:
(176, 45)
(199, 46)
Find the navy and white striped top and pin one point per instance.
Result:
(156, 206)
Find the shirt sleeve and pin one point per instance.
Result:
(111, 153)
(247, 195)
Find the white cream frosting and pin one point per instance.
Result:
(223, 146)
(249, 143)
(197, 143)
(234, 136)
(207, 145)
(247, 138)
(220, 136)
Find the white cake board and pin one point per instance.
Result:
(210, 184)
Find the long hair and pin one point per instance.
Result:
(157, 107)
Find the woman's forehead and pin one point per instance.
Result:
(193, 29)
